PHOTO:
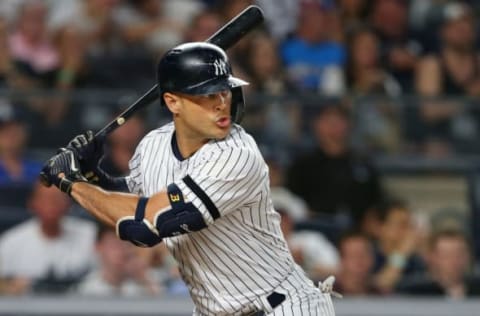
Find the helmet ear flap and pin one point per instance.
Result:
(238, 105)
(162, 101)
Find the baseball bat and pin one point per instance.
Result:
(225, 38)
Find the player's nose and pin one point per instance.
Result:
(224, 98)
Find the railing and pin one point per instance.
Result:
(171, 306)
(380, 124)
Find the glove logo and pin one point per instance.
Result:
(185, 228)
(73, 167)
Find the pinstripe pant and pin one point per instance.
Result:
(303, 298)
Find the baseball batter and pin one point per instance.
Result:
(200, 185)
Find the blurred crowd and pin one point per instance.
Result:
(332, 84)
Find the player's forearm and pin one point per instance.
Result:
(106, 206)
(110, 206)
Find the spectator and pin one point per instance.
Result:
(449, 269)
(280, 17)
(229, 9)
(203, 25)
(15, 167)
(371, 222)
(5, 60)
(165, 270)
(121, 145)
(264, 66)
(396, 250)
(310, 249)
(38, 63)
(378, 117)
(273, 120)
(33, 52)
(333, 179)
(365, 72)
(238, 52)
(455, 71)
(72, 48)
(184, 11)
(353, 13)
(399, 46)
(91, 20)
(49, 252)
(144, 23)
(355, 277)
(297, 208)
(313, 61)
(120, 270)
(39, 58)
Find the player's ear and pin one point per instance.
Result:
(172, 101)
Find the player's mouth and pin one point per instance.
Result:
(223, 122)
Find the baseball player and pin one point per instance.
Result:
(200, 185)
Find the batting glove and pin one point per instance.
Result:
(65, 163)
(89, 151)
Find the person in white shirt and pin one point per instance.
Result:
(310, 249)
(48, 252)
(120, 271)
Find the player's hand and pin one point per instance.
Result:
(89, 150)
(62, 170)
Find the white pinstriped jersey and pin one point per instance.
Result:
(242, 254)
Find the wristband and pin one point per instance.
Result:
(65, 184)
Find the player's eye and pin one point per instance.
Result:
(227, 94)
(212, 96)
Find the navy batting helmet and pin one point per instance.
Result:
(200, 68)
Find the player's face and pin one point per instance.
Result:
(207, 116)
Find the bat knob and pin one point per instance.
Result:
(44, 179)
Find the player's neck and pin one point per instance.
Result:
(186, 145)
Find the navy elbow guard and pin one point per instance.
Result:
(182, 218)
(137, 229)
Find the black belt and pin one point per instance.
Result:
(274, 300)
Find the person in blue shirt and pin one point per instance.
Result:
(15, 167)
(314, 61)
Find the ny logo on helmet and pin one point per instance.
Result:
(220, 67)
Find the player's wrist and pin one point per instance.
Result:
(67, 184)
(76, 189)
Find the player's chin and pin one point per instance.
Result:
(221, 132)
